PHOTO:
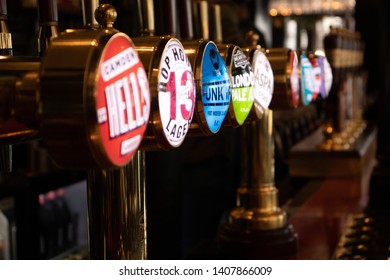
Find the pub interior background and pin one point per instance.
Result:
(191, 190)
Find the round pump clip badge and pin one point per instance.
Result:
(242, 85)
(326, 71)
(215, 87)
(264, 82)
(307, 80)
(176, 96)
(319, 85)
(122, 99)
(294, 78)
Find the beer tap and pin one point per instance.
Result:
(284, 63)
(121, 193)
(91, 108)
(257, 228)
(116, 207)
(36, 112)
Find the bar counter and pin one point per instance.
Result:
(322, 208)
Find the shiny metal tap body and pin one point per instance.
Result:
(117, 219)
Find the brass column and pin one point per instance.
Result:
(257, 228)
(117, 220)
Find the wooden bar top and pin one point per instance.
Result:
(320, 211)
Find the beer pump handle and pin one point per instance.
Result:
(170, 18)
(3, 7)
(146, 15)
(185, 20)
(202, 8)
(48, 12)
(217, 23)
(88, 8)
(5, 35)
(48, 23)
(209, 28)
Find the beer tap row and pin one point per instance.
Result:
(98, 99)
(105, 94)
